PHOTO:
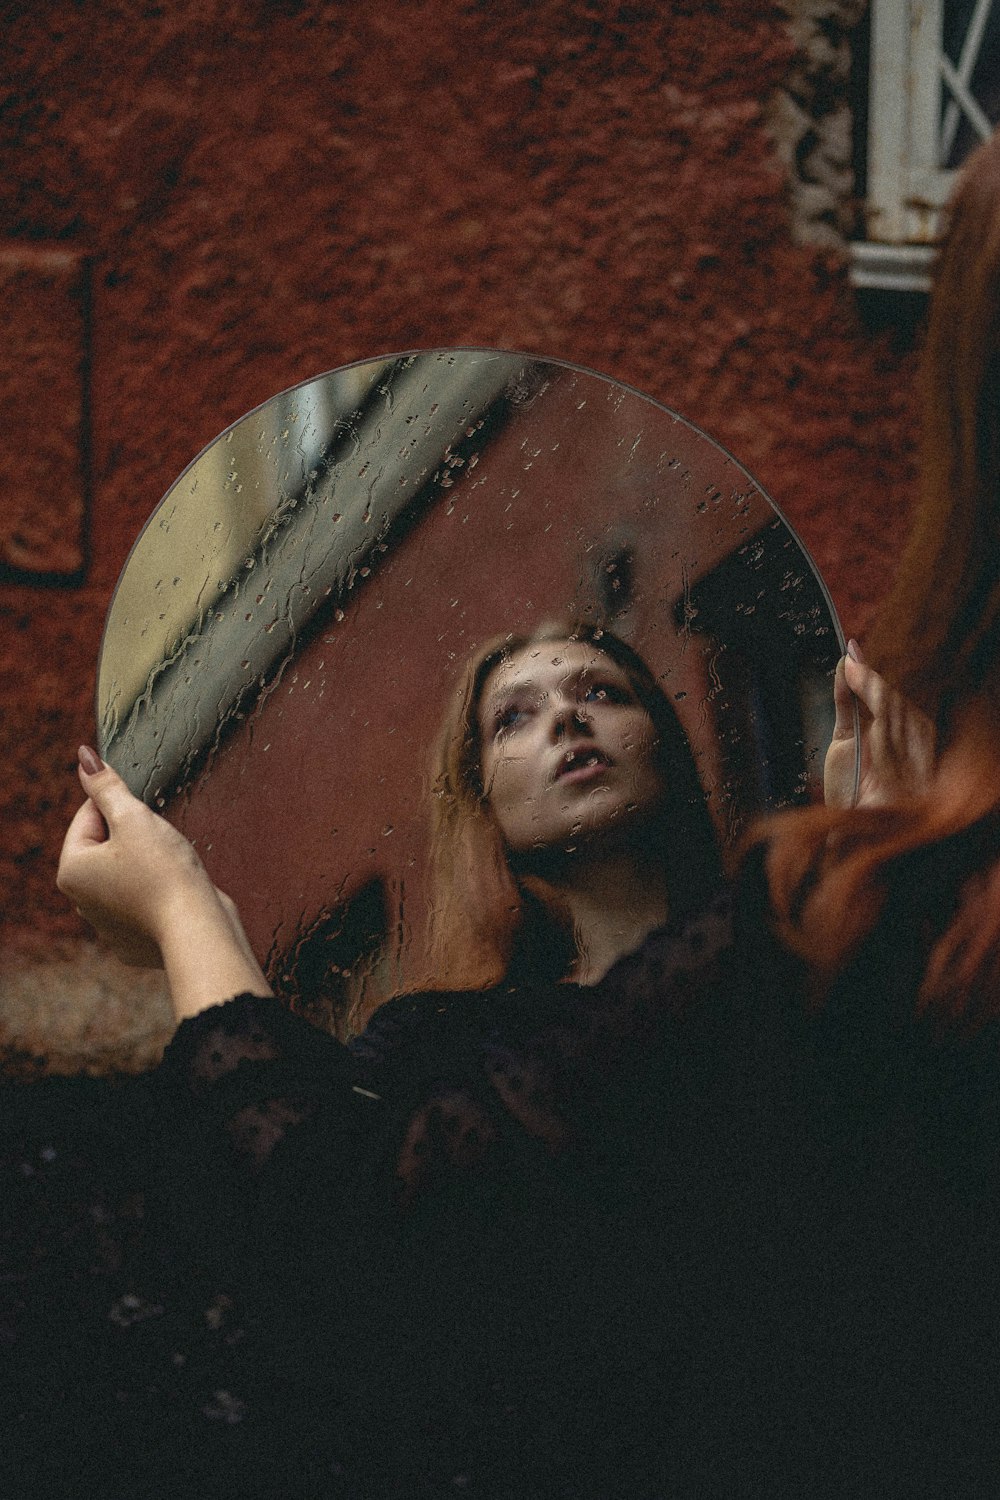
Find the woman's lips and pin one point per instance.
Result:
(582, 764)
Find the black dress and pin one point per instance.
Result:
(446, 1260)
(674, 1235)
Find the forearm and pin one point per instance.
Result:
(206, 955)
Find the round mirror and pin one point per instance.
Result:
(298, 613)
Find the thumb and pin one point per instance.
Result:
(843, 703)
(103, 785)
(867, 685)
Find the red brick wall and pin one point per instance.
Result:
(267, 190)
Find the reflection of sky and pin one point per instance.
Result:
(279, 514)
(210, 520)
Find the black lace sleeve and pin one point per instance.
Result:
(255, 1072)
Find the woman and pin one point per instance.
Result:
(805, 1163)
(497, 1109)
(570, 826)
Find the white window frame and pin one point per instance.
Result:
(908, 137)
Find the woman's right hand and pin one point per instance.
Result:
(142, 887)
(898, 741)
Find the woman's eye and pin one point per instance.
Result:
(510, 717)
(605, 692)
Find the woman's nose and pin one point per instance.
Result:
(569, 715)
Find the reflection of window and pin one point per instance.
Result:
(934, 94)
(330, 973)
(771, 697)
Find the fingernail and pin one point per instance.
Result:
(90, 760)
(853, 650)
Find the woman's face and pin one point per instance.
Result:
(567, 749)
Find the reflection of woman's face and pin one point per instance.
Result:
(567, 748)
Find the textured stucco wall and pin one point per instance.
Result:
(262, 191)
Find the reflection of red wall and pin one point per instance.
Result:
(270, 189)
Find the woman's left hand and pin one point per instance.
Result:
(898, 741)
(124, 867)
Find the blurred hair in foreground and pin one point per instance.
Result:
(937, 640)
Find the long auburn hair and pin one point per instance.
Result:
(937, 640)
(485, 923)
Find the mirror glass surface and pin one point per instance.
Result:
(296, 616)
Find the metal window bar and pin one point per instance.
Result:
(958, 80)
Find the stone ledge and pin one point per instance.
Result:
(77, 1010)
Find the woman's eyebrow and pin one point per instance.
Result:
(501, 695)
(570, 677)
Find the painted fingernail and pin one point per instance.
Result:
(90, 760)
(853, 650)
